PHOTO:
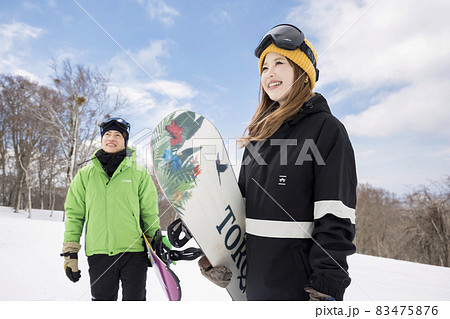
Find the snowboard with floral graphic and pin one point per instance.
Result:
(192, 167)
(178, 168)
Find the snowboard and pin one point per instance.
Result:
(167, 278)
(192, 168)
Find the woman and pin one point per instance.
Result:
(298, 177)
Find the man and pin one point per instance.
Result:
(111, 197)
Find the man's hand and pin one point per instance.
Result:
(70, 254)
(162, 247)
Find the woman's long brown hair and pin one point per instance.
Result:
(269, 115)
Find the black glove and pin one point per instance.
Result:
(161, 246)
(73, 276)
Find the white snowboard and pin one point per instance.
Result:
(193, 169)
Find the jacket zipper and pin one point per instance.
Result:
(107, 223)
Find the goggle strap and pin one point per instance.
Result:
(310, 54)
(120, 122)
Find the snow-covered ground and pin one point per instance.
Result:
(31, 269)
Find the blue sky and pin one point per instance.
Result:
(385, 66)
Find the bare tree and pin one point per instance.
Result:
(83, 99)
(429, 232)
(4, 200)
(48, 169)
(50, 162)
(415, 228)
(51, 129)
(378, 215)
(19, 96)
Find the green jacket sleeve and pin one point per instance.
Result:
(148, 200)
(75, 208)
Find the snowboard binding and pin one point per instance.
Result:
(175, 232)
(179, 235)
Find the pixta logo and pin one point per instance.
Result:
(304, 155)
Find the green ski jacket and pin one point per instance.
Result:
(111, 209)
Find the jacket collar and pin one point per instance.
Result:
(316, 104)
(127, 161)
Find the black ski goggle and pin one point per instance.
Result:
(115, 120)
(287, 37)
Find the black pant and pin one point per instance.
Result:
(105, 272)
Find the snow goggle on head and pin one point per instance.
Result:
(120, 122)
(287, 37)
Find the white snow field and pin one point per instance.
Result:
(32, 270)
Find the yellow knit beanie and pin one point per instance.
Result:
(297, 56)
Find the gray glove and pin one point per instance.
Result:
(314, 295)
(220, 275)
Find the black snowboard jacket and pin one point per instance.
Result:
(300, 191)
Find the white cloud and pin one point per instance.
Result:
(176, 90)
(28, 5)
(391, 41)
(399, 46)
(16, 33)
(67, 52)
(151, 96)
(15, 48)
(395, 56)
(140, 100)
(221, 14)
(148, 57)
(51, 3)
(415, 108)
(143, 101)
(160, 10)
(399, 164)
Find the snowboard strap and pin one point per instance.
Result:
(168, 255)
(175, 231)
(70, 255)
(187, 254)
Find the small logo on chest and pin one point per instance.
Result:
(126, 180)
(282, 180)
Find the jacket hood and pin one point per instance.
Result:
(316, 104)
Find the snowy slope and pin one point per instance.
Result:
(31, 269)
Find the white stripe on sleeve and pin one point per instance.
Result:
(335, 207)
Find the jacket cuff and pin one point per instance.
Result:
(329, 286)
